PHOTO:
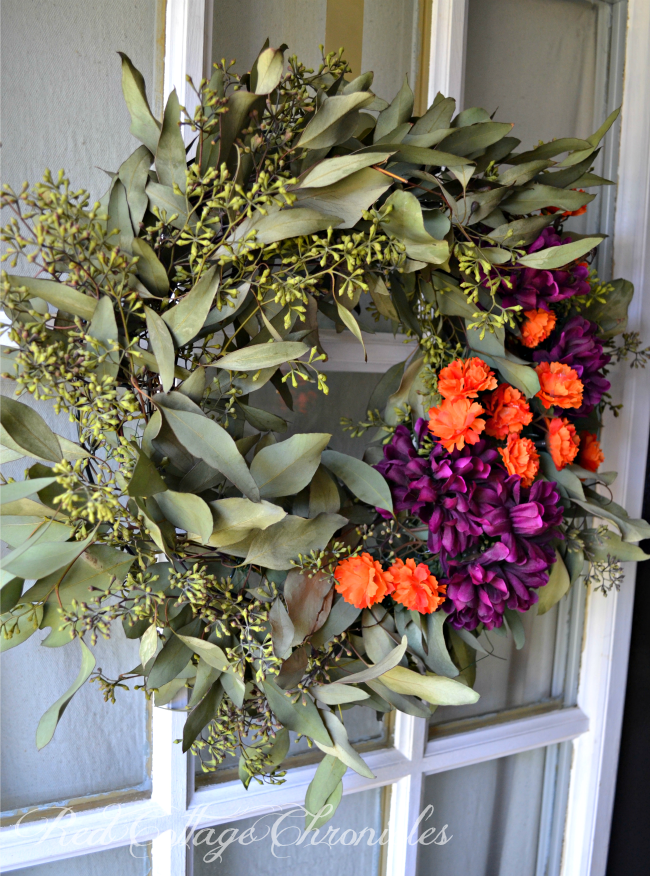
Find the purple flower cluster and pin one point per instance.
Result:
(491, 534)
(534, 289)
(577, 346)
(511, 570)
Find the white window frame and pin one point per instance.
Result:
(582, 738)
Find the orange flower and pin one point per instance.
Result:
(508, 410)
(456, 422)
(465, 379)
(538, 326)
(416, 587)
(560, 385)
(562, 441)
(590, 456)
(362, 582)
(520, 457)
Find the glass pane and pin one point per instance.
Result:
(240, 29)
(491, 818)
(507, 678)
(98, 747)
(337, 849)
(125, 861)
(389, 37)
(315, 412)
(115, 746)
(509, 43)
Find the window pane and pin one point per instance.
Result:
(98, 747)
(338, 849)
(491, 817)
(125, 861)
(315, 412)
(115, 746)
(240, 29)
(510, 42)
(507, 678)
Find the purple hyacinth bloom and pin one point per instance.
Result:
(536, 289)
(577, 346)
(439, 489)
(509, 573)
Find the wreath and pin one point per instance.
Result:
(280, 581)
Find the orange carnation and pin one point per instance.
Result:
(416, 587)
(562, 441)
(508, 410)
(362, 582)
(590, 456)
(560, 385)
(538, 326)
(456, 422)
(520, 457)
(465, 378)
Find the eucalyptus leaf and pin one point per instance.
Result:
(162, 346)
(435, 689)
(335, 121)
(171, 164)
(187, 512)
(235, 518)
(186, 319)
(134, 174)
(558, 256)
(143, 125)
(267, 71)
(285, 468)
(342, 748)
(208, 441)
(202, 714)
(149, 269)
(57, 294)
(330, 171)
(103, 327)
(301, 717)
(23, 429)
(258, 356)
(399, 111)
(364, 481)
(557, 586)
(48, 722)
(277, 546)
(437, 657)
(324, 792)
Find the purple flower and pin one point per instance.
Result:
(509, 572)
(440, 488)
(534, 289)
(577, 346)
(480, 591)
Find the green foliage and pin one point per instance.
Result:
(203, 275)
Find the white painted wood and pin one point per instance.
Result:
(406, 798)
(501, 740)
(185, 37)
(604, 664)
(169, 776)
(447, 50)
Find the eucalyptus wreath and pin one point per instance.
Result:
(272, 582)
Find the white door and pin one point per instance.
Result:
(522, 783)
